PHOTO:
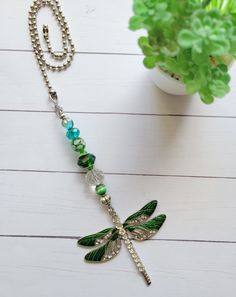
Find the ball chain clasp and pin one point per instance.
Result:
(58, 109)
(53, 96)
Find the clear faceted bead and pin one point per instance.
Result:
(94, 177)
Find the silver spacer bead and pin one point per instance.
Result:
(106, 200)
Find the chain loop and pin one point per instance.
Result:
(63, 59)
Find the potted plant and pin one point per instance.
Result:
(190, 44)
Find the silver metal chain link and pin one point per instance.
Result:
(62, 59)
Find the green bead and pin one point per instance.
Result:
(86, 161)
(78, 145)
(101, 189)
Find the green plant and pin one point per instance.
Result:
(193, 39)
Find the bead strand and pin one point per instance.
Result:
(86, 160)
(95, 177)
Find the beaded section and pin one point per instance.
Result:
(78, 145)
(72, 133)
(67, 123)
(101, 190)
(106, 199)
(94, 177)
(87, 161)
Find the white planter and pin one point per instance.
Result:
(172, 86)
(167, 83)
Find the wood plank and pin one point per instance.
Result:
(59, 204)
(52, 267)
(95, 27)
(131, 148)
(100, 83)
(122, 144)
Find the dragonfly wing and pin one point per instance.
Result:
(148, 229)
(107, 251)
(96, 238)
(142, 215)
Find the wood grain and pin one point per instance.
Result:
(151, 145)
(52, 267)
(100, 84)
(60, 204)
(95, 26)
(122, 144)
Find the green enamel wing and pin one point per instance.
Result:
(109, 241)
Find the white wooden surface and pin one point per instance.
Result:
(150, 144)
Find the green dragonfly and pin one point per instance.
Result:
(109, 240)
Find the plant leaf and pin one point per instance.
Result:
(223, 67)
(192, 86)
(143, 41)
(219, 88)
(219, 48)
(206, 96)
(199, 58)
(107, 251)
(205, 3)
(198, 46)
(149, 62)
(172, 65)
(135, 23)
(139, 7)
(96, 238)
(187, 38)
(195, 84)
(145, 46)
(196, 25)
(225, 78)
(148, 229)
(142, 215)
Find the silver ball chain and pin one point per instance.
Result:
(63, 58)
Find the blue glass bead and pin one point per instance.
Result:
(67, 123)
(73, 133)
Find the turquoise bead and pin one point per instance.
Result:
(67, 123)
(73, 133)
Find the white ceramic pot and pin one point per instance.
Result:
(167, 83)
(172, 86)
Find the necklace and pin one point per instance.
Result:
(106, 243)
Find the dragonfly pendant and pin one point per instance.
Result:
(109, 240)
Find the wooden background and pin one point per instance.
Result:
(150, 145)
